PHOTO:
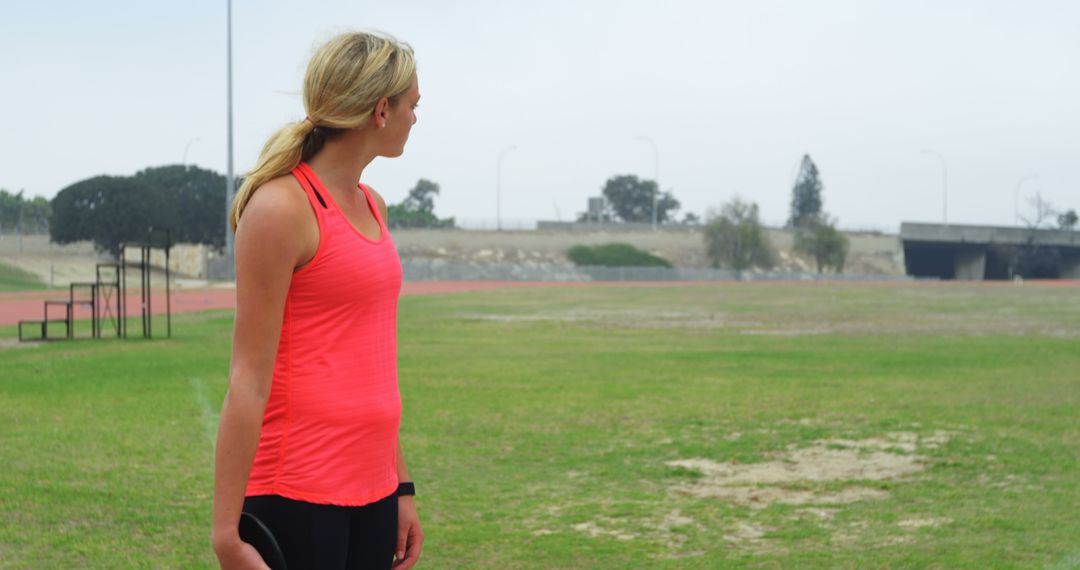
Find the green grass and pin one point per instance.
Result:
(539, 423)
(15, 279)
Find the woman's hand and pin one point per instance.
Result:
(409, 535)
(235, 554)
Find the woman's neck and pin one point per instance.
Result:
(341, 163)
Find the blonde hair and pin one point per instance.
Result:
(345, 79)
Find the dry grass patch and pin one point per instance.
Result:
(758, 485)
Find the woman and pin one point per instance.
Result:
(308, 440)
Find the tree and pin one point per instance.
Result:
(109, 210)
(417, 210)
(632, 200)
(818, 237)
(736, 239)
(422, 197)
(806, 194)
(1034, 259)
(195, 200)
(1067, 220)
(22, 215)
(691, 219)
(1042, 212)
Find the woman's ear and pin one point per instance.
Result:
(382, 108)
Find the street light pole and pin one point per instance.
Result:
(230, 181)
(656, 176)
(944, 186)
(188, 146)
(498, 186)
(1016, 196)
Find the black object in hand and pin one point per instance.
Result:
(254, 532)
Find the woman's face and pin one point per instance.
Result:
(400, 117)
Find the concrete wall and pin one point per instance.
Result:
(970, 264)
(953, 233)
(613, 227)
(185, 259)
(981, 252)
(1070, 267)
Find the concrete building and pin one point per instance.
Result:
(989, 252)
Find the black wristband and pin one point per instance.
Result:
(406, 489)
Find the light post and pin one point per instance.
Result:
(944, 186)
(1016, 196)
(230, 181)
(656, 176)
(498, 186)
(186, 147)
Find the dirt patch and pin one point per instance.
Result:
(923, 523)
(745, 532)
(819, 513)
(594, 530)
(665, 529)
(787, 332)
(757, 485)
(750, 536)
(625, 318)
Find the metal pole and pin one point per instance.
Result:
(168, 295)
(121, 280)
(944, 186)
(229, 176)
(498, 187)
(656, 176)
(147, 333)
(1016, 196)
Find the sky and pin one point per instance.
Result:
(732, 94)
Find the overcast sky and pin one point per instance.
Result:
(732, 93)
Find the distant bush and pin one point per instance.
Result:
(614, 255)
(735, 238)
(817, 236)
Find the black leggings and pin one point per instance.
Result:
(315, 536)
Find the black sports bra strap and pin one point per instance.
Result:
(312, 186)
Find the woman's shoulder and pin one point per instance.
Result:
(280, 200)
(378, 199)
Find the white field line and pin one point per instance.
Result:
(207, 415)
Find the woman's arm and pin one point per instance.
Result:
(410, 536)
(402, 469)
(273, 237)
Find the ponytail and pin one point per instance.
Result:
(280, 155)
(345, 79)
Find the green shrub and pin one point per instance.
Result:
(614, 255)
(736, 239)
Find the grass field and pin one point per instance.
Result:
(712, 426)
(15, 279)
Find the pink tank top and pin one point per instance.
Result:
(330, 430)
